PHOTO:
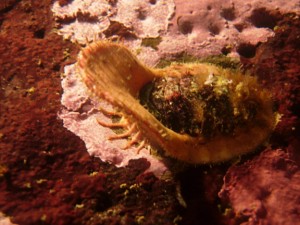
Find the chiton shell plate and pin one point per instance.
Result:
(111, 72)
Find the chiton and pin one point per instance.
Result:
(195, 112)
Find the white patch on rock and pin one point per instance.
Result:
(80, 117)
(5, 220)
(146, 19)
(83, 20)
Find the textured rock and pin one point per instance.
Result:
(198, 28)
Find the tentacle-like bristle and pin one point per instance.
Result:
(135, 139)
(110, 113)
(126, 134)
(140, 146)
(130, 129)
(112, 125)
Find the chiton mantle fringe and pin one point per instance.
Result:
(221, 113)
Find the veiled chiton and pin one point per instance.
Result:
(195, 112)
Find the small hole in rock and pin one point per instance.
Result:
(184, 26)
(214, 29)
(209, 7)
(263, 18)
(246, 50)
(40, 34)
(226, 50)
(240, 27)
(153, 2)
(63, 2)
(141, 14)
(56, 67)
(111, 2)
(228, 14)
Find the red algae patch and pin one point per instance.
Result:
(46, 175)
(278, 69)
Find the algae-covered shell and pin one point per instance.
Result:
(111, 72)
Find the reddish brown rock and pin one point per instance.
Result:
(264, 190)
(46, 175)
